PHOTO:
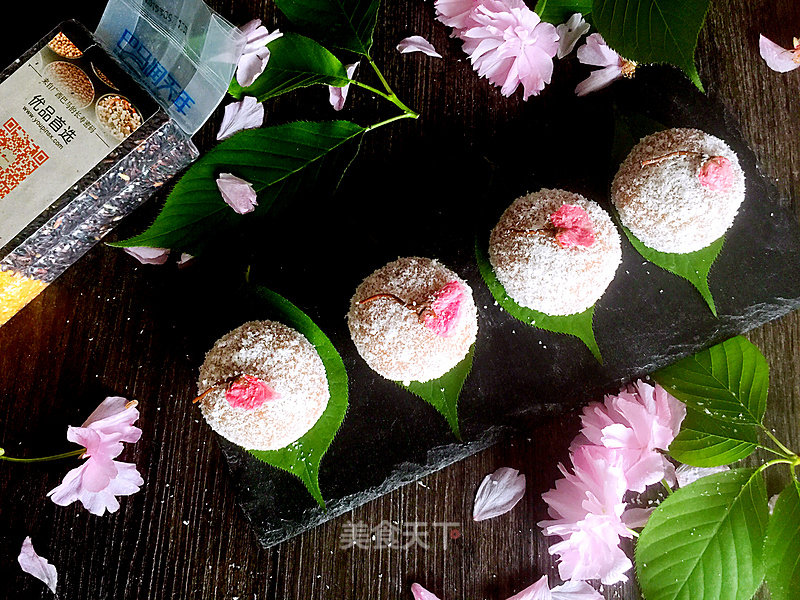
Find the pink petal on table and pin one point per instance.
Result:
(778, 59)
(498, 493)
(420, 593)
(35, 565)
(237, 193)
(249, 393)
(147, 255)
(247, 114)
(598, 80)
(255, 54)
(575, 590)
(337, 95)
(185, 258)
(538, 591)
(637, 517)
(417, 43)
(597, 53)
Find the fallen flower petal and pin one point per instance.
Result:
(420, 593)
(498, 493)
(246, 114)
(237, 193)
(35, 565)
(510, 45)
(417, 43)
(572, 590)
(686, 474)
(337, 95)
(148, 256)
(637, 517)
(185, 258)
(777, 58)
(570, 32)
(255, 54)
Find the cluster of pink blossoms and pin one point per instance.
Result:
(617, 450)
(510, 45)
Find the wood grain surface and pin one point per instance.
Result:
(103, 329)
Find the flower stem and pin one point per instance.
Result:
(777, 442)
(666, 486)
(388, 94)
(392, 120)
(777, 461)
(41, 459)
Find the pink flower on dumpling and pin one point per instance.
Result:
(777, 58)
(574, 227)
(255, 54)
(98, 481)
(510, 45)
(237, 193)
(597, 53)
(445, 309)
(717, 174)
(249, 392)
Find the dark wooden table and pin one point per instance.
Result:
(101, 330)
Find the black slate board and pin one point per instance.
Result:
(438, 188)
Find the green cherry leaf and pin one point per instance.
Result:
(653, 31)
(694, 267)
(443, 393)
(295, 62)
(276, 160)
(344, 24)
(707, 442)
(706, 540)
(782, 546)
(577, 325)
(727, 382)
(302, 458)
(559, 11)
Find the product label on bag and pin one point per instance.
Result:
(59, 116)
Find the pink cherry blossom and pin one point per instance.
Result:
(574, 226)
(148, 256)
(455, 13)
(337, 95)
(571, 590)
(420, 593)
(597, 53)
(777, 58)
(98, 481)
(498, 493)
(255, 54)
(237, 193)
(35, 565)
(417, 43)
(246, 114)
(249, 392)
(638, 422)
(586, 507)
(716, 174)
(446, 309)
(509, 45)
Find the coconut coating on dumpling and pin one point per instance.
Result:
(537, 271)
(392, 338)
(284, 360)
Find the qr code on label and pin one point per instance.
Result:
(19, 156)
